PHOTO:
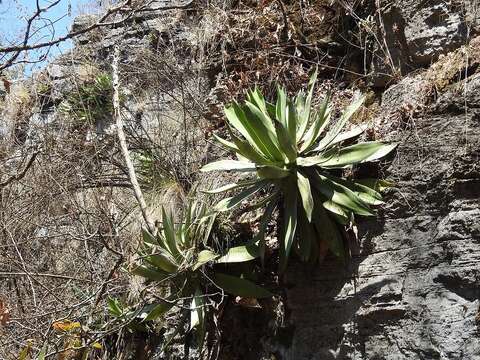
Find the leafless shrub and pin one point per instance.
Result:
(70, 224)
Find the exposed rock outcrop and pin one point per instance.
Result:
(413, 289)
(415, 33)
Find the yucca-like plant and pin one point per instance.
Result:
(179, 257)
(291, 150)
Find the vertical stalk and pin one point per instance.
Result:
(123, 142)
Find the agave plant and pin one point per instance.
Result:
(293, 153)
(178, 257)
(91, 102)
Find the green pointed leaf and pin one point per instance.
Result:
(335, 130)
(354, 154)
(340, 194)
(303, 185)
(114, 307)
(148, 238)
(196, 310)
(149, 273)
(197, 317)
(227, 165)
(169, 233)
(43, 352)
(160, 309)
(340, 214)
(281, 107)
(246, 150)
(286, 144)
(272, 172)
(240, 157)
(321, 121)
(190, 213)
(182, 236)
(240, 287)
(185, 236)
(162, 260)
(290, 224)
(367, 198)
(347, 135)
(302, 122)
(24, 353)
(366, 194)
(223, 188)
(309, 161)
(292, 123)
(227, 144)
(208, 228)
(253, 130)
(240, 254)
(257, 98)
(204, 257)
(237, 118)
(328, 231)
(266, 133)
(271, 110)
(231, 186)
(232, 202)
(304, 113)
(378, 185)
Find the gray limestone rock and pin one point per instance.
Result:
(413, 289)
(435, 28)
(414, 34)
(462, 97)
(81, 22)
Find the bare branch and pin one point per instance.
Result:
(22, 173)
(102, 22)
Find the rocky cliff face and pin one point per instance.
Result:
(416, 33)
(413, 289)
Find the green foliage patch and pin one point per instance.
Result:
(179, 257)
(292, 153)
(293, 156)
(91, 101)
